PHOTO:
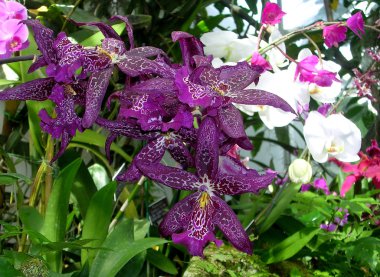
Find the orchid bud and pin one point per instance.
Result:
(300, 171)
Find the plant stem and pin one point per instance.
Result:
(17, 59)
(126, 203)
(70, 14)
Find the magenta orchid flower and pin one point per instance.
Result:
(272, 14)
(356, 24)
(192, 221)
(334, 34)
(258, 61)
(368, 167)
(307, 72)
(12, 10)
(13, 37)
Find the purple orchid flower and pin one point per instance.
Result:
(192, 221)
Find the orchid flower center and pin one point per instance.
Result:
(204, 200)
(314, 89)
(334, 146)
(69, 90)
(112, 56)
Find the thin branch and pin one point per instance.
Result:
(17, 59)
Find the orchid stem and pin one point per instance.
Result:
(17, 59)
(126, 203)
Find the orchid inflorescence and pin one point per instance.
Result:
(190, 110)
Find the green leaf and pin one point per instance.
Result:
(290, 246)
(276, 207)
(31, 218)
(7, 270)
(94, 138)
(157, 259)
(366, 251)
(12, 178)
(97, 220)
(57, 210)
(4, 82)
(118, 248)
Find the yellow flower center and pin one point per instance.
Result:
(204, 200)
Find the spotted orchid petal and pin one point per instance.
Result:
(150, 153)
(38, 90)
(231, 121)
(96, 90)
(113, 46)
(260, 97)
(40, 62)
(170, 176)
(190, 46)
(135, 66)
(146, 52)
(200, 227)
(180, 153)
(207, 155)
(191, 93)
(126, 128)
(237, 184)
(179, 216)
(128, 26)
(155, 85)
(230, 226)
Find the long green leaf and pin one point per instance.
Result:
(290, 246)
(118, 249)
(57, 210)
(12, 178)
(157, 259)
(97, 220)
(94, 138)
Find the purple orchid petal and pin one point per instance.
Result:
(65, 140)
(188, 134)
(107, 146)
(146, 52)
(155, 85)
(40, 62)
(260, 97)
(181, 153)
(170, 176)
(128, 27)
(190, 46)
(191, 93)
(131, 175)
(96, 90)
(230, 226)
(200, 227)
(112, 45)
(44, 38)
(127, 129)
(150, 153)
(207, 154)
(237, 184)
(106, 30)
(38, 90)
(179, 216)
(231, 121)
(229, 165)
(135, 66)
(239, 76)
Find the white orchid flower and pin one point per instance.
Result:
(334, 136)
(227, 45)
(281, 84)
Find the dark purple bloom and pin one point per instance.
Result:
(330, 227)
(192, 221)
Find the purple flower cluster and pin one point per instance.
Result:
(340, 219)
(13, 34)
(160, 104)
